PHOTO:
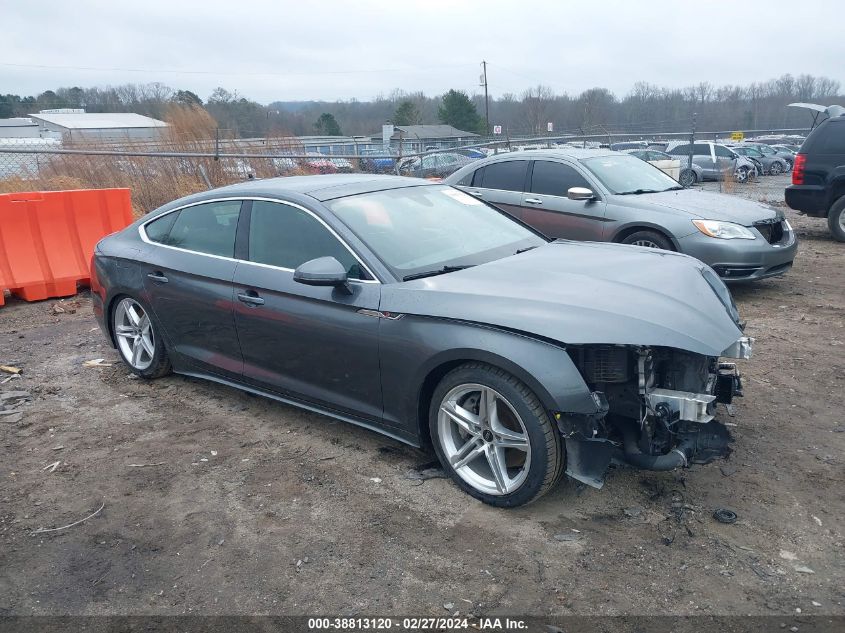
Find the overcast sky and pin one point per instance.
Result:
(333, 49)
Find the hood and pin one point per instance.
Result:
(581, 293)
(706, 205)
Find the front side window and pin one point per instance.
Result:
(285, 236)
(507, 175)
(205, 228)
(555, 179)
(723, 152)
(416, 229)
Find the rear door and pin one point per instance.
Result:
(318, 344)
(188, 271)
(546, 207)
(502, 184)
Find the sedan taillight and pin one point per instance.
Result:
(798, 169)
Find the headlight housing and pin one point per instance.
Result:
(723, 230)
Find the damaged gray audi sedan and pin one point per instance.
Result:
(418, 311)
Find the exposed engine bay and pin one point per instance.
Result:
(657, 408)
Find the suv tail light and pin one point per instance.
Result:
(798, 169)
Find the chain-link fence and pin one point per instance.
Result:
(158, 171)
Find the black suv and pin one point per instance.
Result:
(818, 176)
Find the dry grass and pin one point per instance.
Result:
(157, 180)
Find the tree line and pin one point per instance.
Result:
(645, 109)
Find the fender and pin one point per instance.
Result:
(414, 348)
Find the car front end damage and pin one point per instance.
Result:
(657, 408)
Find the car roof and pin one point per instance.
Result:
(323, 187)
(565, 152)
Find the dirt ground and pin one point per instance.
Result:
(218, 502)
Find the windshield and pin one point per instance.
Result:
(415, 230)
(624, 174)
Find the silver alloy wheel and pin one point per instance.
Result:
(134, 333)
(741, 174)
(687, 178)
(775, 169)
(842, 220)
(646, 243)
(484, 439)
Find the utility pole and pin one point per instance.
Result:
(692, 140)
(486, 98)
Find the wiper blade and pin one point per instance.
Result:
(636, 192)
(523, 250)
(675, 188)
(439, 271)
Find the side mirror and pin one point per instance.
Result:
(580, 193)
(323, 271)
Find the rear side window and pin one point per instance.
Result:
(507, 175)
(555, 179)
(159, 229)
(284, 236)
(828, 139)
(205, 228)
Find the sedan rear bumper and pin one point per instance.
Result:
(742, 260)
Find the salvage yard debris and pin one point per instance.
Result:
(9, 369)
(97, 362)
(69, 525)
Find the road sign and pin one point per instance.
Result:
(550, 127)
(737, 136)
(497, 129)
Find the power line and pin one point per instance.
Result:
(238, 73)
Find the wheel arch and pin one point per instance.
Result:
(837, 192)
(630, 229)
(544, 368)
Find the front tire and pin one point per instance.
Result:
(649, 239)
(138, 339)
(775, 169)
(836, 220)
(494, 437)
(741, 174)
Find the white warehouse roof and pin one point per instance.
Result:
(99, 120)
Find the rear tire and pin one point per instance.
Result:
(138, 339)
(775, 169)
(687, 178)
(649, 239)
(836, 220)
(494, 437)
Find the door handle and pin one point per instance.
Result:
(533, 201)
(475, 193)
(250, 298)
(158, 276)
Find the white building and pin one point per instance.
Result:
(78, 125)
(18, 128)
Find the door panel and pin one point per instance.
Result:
(547, 208)
(310, 342)
(307, 342)
(501, 184)
(190, 293)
